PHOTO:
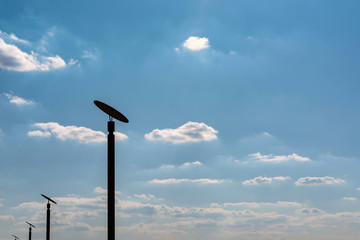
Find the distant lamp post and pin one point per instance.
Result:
(16, 238)
(48, 216)
(113, 113)
(30, 226)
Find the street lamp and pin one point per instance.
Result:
(113, 113)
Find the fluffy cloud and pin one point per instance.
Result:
(318, 181)
(189, 132)
(264, 180)
(18, 100)
(182, 180)
(349, 198)
(81, 134)
(277, 159)
(196, 43)
(13, 59)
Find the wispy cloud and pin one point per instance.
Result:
(270, 158)
(309, 211)
(13, 38)
(14, 59)
(318, 181)
(6, 217)
(81, 134)
(264, 180)
(263, 204)
(189, 164)
(18, 100)
(148, 197)
(101, 190)
(189, 132)
(196, 43)
(187, 180)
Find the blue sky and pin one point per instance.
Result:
(244, 118)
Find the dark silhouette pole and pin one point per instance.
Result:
(16, 238)
(111, 180)
(113, 113)
(48, 216)
(30, 226)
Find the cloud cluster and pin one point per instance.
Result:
(81, 134)
(278, 159)
(318, 181)
(264, 180)
(18, 100)
(196, 43)
(75, 214)
(189, 132)
(187, 180)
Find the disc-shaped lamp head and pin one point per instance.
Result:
(112, 112)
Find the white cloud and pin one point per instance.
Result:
(264, 180)
(18, 100)
(196, 43)
(182, 180)
(309, 211)
(188, 164)
(358, 189)
(277, 159)
(81, 134)
(189, 132)
(318, 181)
(349, 198)
(13, 59)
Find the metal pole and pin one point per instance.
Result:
(48, 222)
(111, 181)
(29, 233)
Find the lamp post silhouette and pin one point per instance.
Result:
(30, 226)
(113, 113)
(16, 238)
(48, 216)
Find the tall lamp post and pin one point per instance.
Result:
(113, 113)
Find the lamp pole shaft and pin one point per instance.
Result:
(48, 222)
(30, 233)
(111, 181)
